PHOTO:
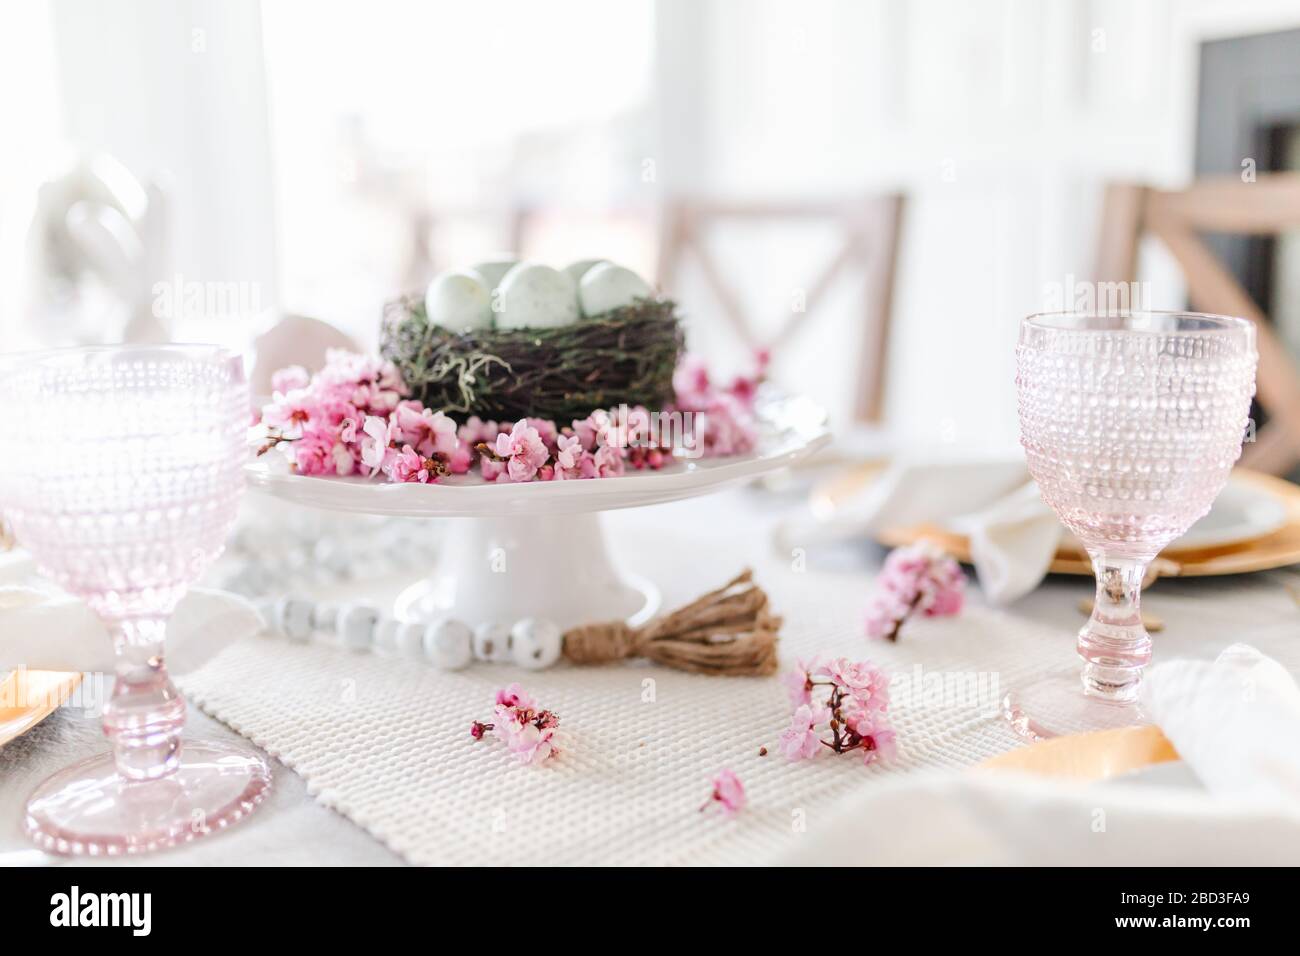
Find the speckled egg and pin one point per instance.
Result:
(607, 286)
(534, 296)
(459, 300)
(577, 270)
(493, 271)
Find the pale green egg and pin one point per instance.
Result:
(535, 296)
(493, 271)
(608, 286)
(459, 301)
(577, 270)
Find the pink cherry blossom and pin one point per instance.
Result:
(798, 682)
(513, 695)
(376, 451)
(840, 706)
(528, 733)
(917, 578)
(802, 740)
(356, 415)
(569, 457)
(289, 379)
(288, 413)
(607, 462)
(529, 743)
(524, 451)
(728, 793)
(880, 744)
(430, 433)
(861, 680)
(410, 465)
(691, 380)
(460, 460)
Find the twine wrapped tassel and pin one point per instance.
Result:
(727, 632)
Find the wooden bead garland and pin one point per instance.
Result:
(729, 631)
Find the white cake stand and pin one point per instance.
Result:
(538, 549)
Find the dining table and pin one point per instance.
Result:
(627, 787)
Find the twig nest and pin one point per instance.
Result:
(606, 287)
(493, 271)
(449, 644)
(492, 643)
(626, 355)
(536, 643)
(577, 270)
(459, 300)
(534, 296)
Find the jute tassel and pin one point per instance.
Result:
(726, 632)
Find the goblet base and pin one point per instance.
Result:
(89, 809)
(1055, 705)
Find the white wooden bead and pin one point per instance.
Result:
(410, 638)
(325, 617)
(356, 625)
(293, 615)
(536, 643)
(386, 635)
(492, 643)
(449, 644)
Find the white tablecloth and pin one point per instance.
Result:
(385, 743)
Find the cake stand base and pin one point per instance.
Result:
(502, 569)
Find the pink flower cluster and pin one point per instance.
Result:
(728, 793)
(353, 417)
(839, 706)
(726, 412)
(527, 732)
(917, 578)
(321, 414)
(602, 445)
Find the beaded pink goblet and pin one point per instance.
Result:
(124, 479)
(1131, 423)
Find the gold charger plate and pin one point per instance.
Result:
(1264, 553)
(1095, 756)
(28, 697)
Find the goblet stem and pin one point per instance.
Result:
(145, 714)
(1114, 644)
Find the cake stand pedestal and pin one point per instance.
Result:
(504, 569)
(537, 549)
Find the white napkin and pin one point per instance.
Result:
(1235, 720)
(41, 630)
(1013, 534)
(945, 819)
(1012, 543)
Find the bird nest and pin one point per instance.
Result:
(626, 355)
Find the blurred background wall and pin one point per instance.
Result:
(319, 157)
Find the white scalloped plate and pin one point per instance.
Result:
(793, 429)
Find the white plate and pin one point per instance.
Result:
(792, 429)
(1242, 512)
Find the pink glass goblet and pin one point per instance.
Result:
(123, 480)
(1130, 423)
